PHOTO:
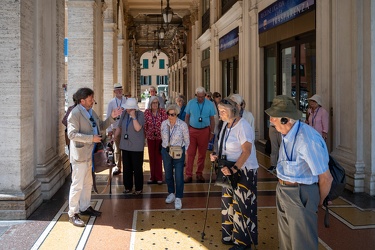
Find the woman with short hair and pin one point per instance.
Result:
(237, 156)
(174, 132)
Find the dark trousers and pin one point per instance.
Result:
(132, 163)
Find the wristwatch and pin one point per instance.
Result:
(134, 118)
(235, 167)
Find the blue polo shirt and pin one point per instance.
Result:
(196, 110)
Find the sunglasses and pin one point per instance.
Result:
(173, 114)
(217, 96)
(93, 122)
(224, 101)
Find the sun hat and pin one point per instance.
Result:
(117, 86)
(131, 103)
(284, 106)
(317, 99)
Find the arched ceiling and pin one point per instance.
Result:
(144, 20)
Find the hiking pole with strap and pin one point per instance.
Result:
(208, 195)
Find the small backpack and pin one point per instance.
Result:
(337, 187)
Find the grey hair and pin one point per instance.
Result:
(152, 98)
(234, 111)
(180, 98)
(200, 90)
(173, 107)
(237, 98)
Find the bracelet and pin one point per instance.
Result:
(212, 133)
(134, 118)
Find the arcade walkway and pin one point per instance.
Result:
(146, 222)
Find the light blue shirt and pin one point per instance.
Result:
(89, 115)
(303, 155)
(178, 135)
(196, 110)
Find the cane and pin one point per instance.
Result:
(208, 196)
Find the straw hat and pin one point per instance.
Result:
(117, 86)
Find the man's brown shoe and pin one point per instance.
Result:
(76, 221)
(188, 179)
(200, 178)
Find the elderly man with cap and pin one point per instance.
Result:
(116, 102)
(317, 117)
(304, 177)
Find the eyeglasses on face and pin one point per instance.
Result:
(217, 96)
(171, 114)
(93, 122)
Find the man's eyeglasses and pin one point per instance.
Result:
(93, 122)
(171, 114)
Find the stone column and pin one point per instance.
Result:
(109, 53)
(31, 78)
(85, 25)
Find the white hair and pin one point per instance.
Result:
(200, 90)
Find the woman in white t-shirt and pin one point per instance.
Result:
(236, 147)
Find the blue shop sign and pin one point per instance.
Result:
(281, 12)
(228, 40)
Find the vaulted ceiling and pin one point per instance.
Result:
(144, 19)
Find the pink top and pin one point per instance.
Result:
(319, 120)
(153, 123)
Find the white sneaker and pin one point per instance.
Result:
(170, 198)
(178, 204)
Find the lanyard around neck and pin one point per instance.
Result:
(117, 102)
(200, 109)
(226, 138)
(294, 142)
(313, 118)
(128, 122)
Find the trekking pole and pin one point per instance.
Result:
(208, 196)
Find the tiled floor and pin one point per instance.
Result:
(146, 222)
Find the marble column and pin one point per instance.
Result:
(32, 98)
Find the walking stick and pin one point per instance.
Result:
(208, 197)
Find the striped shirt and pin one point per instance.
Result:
(303, 155)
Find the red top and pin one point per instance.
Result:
(153, 123)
